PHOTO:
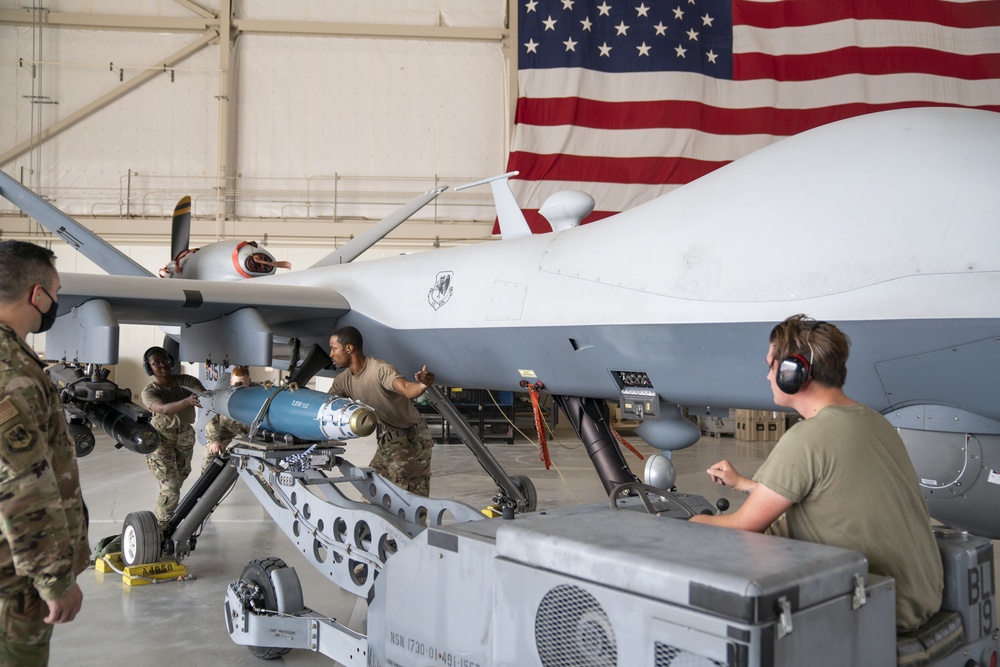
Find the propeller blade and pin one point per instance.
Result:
(180, 232)
(316, 359)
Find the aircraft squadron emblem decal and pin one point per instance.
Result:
(13, 434)
(17, 438)
(441, 291)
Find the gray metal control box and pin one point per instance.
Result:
(595, 587)
(969, 587)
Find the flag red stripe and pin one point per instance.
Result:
(652, 170)
(682, 114)
(793, 14)
(860, 60)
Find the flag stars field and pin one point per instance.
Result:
(630, 100)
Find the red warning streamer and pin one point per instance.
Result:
(543, 445)
(627, 444)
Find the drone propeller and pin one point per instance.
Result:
(180, 232)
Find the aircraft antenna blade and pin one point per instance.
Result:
(180, 230)
(509, 214)
(92, 246)
(350, 250)
(316, 359)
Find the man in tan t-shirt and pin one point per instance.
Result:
(841, 477)
(404, 441)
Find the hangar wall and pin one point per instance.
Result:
(320, 110)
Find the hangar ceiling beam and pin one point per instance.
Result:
(104, 100)
(23, 17)
(263, 27)
(373, 30)
(197, 9)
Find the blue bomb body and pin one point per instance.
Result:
(304, 413)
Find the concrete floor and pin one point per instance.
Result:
(181, 623)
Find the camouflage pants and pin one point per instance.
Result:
(170, 464)
(24, 635)
(406, 461)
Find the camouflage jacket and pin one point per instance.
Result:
(43, 530)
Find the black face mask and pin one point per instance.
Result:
(49, 316)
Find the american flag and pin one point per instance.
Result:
(629, 99)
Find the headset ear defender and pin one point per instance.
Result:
(793, 374)
(150, 352)
(795, 371)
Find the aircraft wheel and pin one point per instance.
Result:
(528, 489)
(258, 573)
(142, 541)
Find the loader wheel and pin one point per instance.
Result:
(258, 573)
(142, 541)
(528, 489)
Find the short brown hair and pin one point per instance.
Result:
(241, 371)
(824, 345)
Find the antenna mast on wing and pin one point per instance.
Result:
(353, 248)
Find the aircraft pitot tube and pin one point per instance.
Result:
(304, 413)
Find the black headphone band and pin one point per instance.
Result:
(809, 333)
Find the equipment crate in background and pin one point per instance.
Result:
(490, 414)
(759, 425)
(718, 426)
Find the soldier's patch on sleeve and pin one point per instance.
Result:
(7, 410)
(16, 439)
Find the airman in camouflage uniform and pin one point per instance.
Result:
(404, 441)
(404, 457)
(173, 414)
(221, 430)
(43, 529)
